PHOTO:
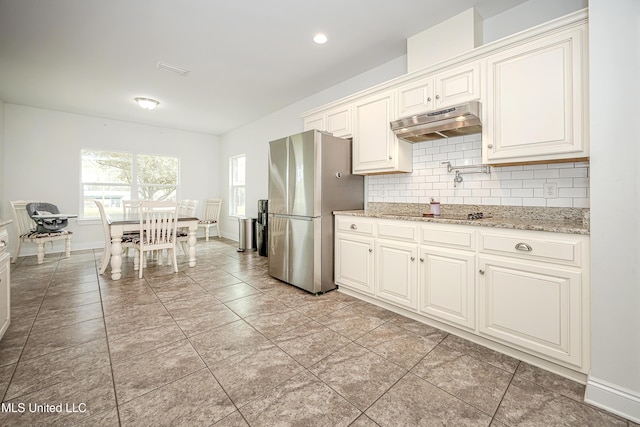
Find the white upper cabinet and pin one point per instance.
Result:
(532, 87)
(451, 87)
(536, 102)
(375, 147)
(416, 97)
(316, 121)
(336, 120)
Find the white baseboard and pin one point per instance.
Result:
(625, 403)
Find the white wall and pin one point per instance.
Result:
(253, 139)
(42, 160)
(527, 15)
(614, 37)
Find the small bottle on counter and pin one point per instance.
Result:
(434, 208)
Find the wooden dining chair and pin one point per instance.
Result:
(130, 208)
(186, 207)
(127, 239)
(28, 233)
(158, 228)
(211, 216)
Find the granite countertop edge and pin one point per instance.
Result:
(508, 223)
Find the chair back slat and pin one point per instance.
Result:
(21, 217)
(105, 221)
(212, 209)
(130, 208)
(158, 223)
(188, 207)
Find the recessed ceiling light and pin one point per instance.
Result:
(147, 103)
(320, 38)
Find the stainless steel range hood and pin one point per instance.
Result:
(453, 121)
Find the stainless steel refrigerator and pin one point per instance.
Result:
(309, 178)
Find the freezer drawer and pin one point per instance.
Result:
(294, 251)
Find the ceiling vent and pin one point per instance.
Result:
(172, 68)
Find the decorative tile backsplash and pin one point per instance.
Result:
(506, 186)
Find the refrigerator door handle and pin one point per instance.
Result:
(302, 218)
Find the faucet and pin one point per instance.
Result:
(457, 179)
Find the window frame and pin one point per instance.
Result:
(134, 186)
(233, 186)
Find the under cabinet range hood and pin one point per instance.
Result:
(453, 121)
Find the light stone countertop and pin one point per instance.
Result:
(4, 222)
(536, 219)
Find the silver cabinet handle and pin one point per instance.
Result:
(390, 158)
(481, 271)
(437, 96)
(490, 146)
(370, 250)
(413, 258)
(3, 243)
(421, 259)
(429, 99)
(523, 247)
(353, 227)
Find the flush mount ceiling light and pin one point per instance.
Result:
(320, 38)
(147, 103)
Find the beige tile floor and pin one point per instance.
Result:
(223, 344)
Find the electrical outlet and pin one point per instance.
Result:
(550, 190)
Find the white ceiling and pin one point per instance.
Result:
(247, 58)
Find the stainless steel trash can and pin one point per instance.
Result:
(246, 234)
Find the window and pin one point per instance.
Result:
(111, 177)
(237, 182)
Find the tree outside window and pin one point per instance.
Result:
(111, 177)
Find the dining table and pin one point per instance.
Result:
(121, 224)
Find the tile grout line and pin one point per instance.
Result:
(106, 334)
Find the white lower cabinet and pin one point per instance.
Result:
(532, 305)
(354, 243)
(354, 262)
(447, 285)
(527, 290)
(397, 273)
(5, 285)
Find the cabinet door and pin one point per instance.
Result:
(314, 122)
(535, 104)
(458, 85)
(338, 121)
(415, 98)
(375, 146)
(532, 306)
(396, 273)
(5, 292)
(447, 285)
(354, 262)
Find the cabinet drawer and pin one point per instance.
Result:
(355, 225)
(452, 237)
(549, 248)
(405, 231)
